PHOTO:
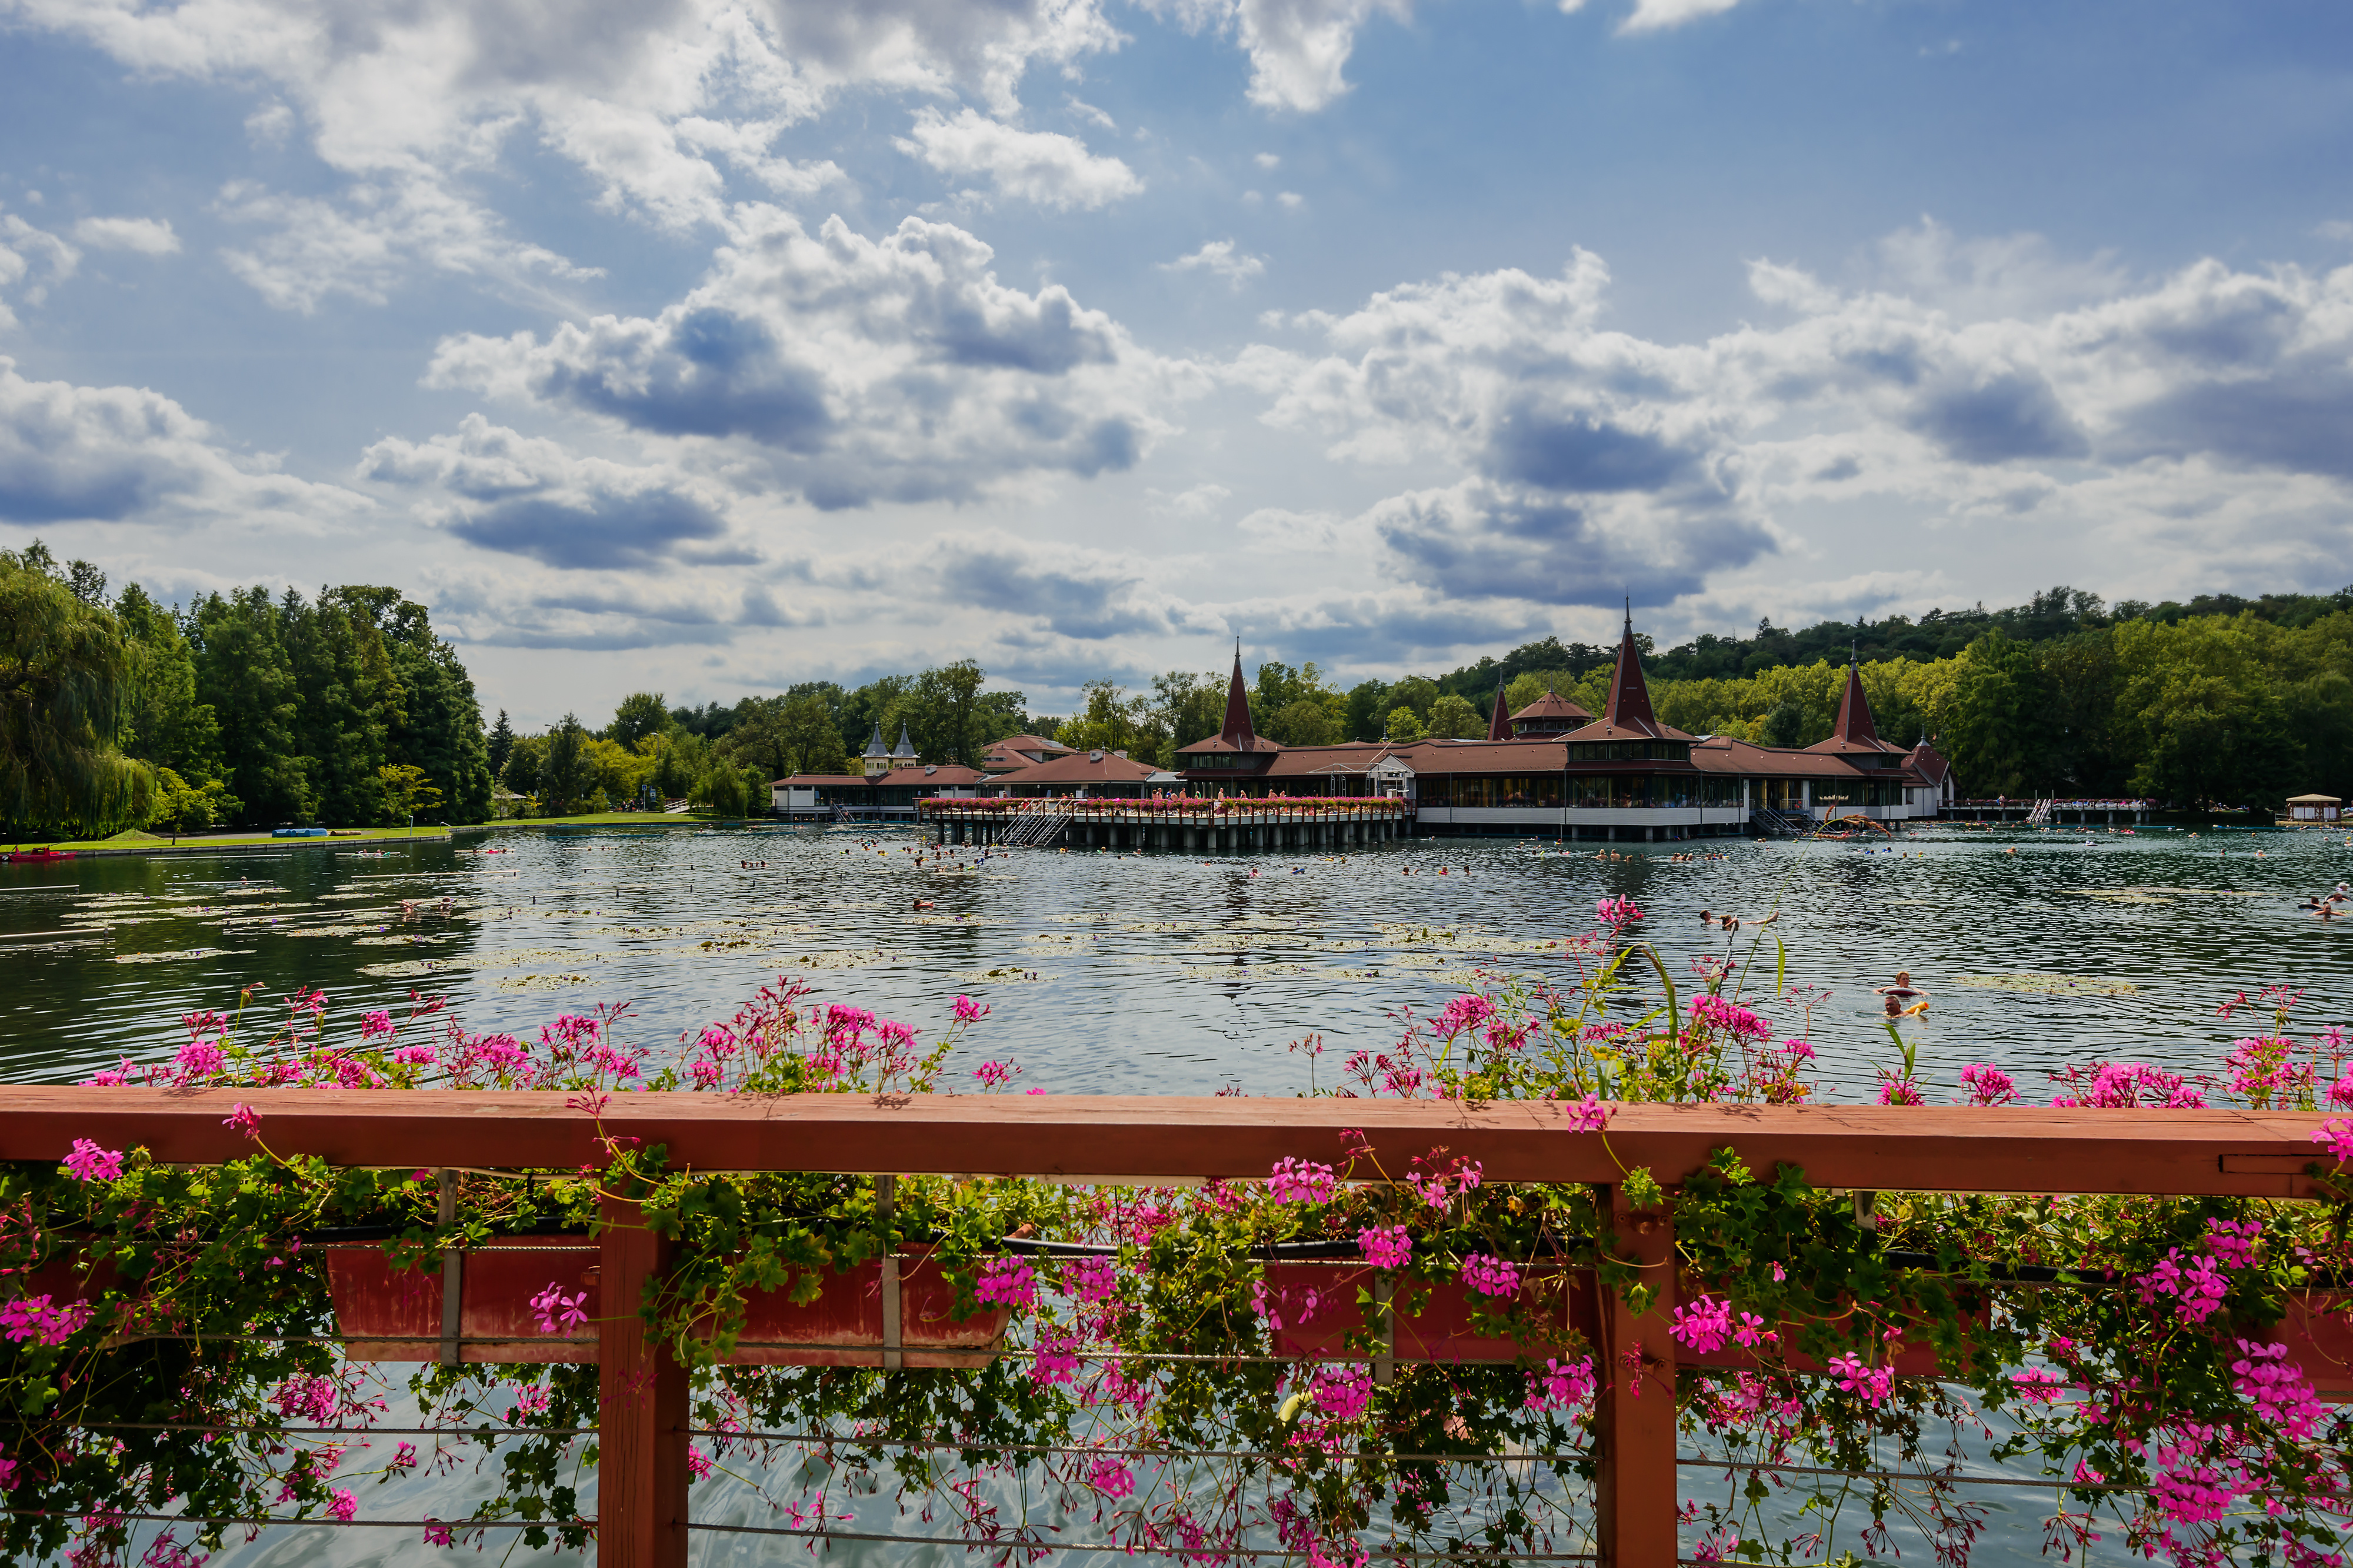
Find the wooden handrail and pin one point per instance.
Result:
(643, 1508)
(2244, 1153)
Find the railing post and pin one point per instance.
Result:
(641, 1479)
(1634, 1415)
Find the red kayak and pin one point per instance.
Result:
(41, 854)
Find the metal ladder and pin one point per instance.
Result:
(1034, 829)
(2040, 816)
(1779, 824)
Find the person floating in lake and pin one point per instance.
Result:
(1904, 999)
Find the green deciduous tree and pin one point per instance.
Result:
(244, 672)
(565, 775)
(65, 683)
(403, 791)
(1454, 717)
(642, 713)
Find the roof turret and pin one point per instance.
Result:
(906, 746)
(1499, 719)
(875, 748)
(1237, 732)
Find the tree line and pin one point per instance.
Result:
(240, 708)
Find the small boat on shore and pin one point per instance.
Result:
(39, 857)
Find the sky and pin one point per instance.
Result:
(708, 346)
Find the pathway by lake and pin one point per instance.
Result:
(1165, 974)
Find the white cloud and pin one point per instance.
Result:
(1272, 529)
(269, 125)
(31, 260)
(1985, 382)
(1266, 160)
(124, 454)
(652, 103)
(363, 246)
(522, 496)
(1658, 16)
(1219, 258)
(1291, 200)
(146, 236)
(1088, 112)
(1041, 166)
(1298, 48)
(853, 369)
(1191, 505)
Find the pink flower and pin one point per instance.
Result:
(88, 1162)
(2038, 1384)
(1703, 1324)
(1872, 1385)
(1006, 1282)
(1716, 1013)
(1617, 912)
(1589, 1115)
(1091, 1278)
(1988, 1085)
(2336, 1136)
(7, 1473)
(1343, 1394)
(417, 1055)
(1386, 1247)
(245, 1119)
(436, 1533)
(376, 1023)
(1490, 1276)
(342, 1504)
(1033, 1091)
(992, 1074)
(1301, 1182)
(557, 1311)
(1055, 1360)
(698, 1463)
(1562, 1385)
(969, 1011)
(33, 1318)
(406, 1459)
(200, 1058)
(2124, 1086)
(1110, 1478)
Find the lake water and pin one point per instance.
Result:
(1164, 975)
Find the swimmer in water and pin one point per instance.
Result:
(1900, 996)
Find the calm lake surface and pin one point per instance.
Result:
(1162, 975)
(1158, 974)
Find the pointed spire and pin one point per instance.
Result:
(906, 746)
(1855, 720)
(1499, 722)
(875, 748)
(1630, 696)
(1237, 732)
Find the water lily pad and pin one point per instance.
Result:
(2050, 985)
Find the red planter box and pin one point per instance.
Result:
(388, 1314)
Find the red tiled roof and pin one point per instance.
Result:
(1080, 767)
(1225, 744)
(1627, 716)
(1552, 706)
(1722, 755)
(1855, 731)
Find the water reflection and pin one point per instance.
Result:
(1167, 974)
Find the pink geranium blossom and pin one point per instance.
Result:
(88, 1162)
(1386, 1247)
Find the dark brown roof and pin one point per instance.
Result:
(1499, 717)
(1080, 767)
(1628, 717)
(1552, 706)
(1235, 730)
(1855, 731)
(1347, 756)
(1930, 762)
(1007, 751)
(1722, 755)
(1257, 743)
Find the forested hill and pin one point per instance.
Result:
(1941, 634)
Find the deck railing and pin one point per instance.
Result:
(644, 1518)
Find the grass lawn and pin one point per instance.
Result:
(141, 843)
(623, 819)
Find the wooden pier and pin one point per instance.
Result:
(1186, 826)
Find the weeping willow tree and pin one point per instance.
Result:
(65, 678)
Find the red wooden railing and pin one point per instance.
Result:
(643, 1483)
